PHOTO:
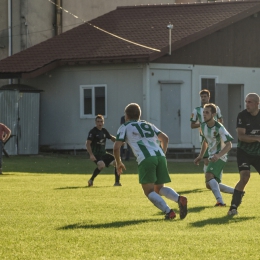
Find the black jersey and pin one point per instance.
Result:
(252, 126)
(98, 138)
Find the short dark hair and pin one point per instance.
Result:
(212, 107)
(99, 117)
(133, 111)
(205, 91)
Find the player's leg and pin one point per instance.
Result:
(243, 163)
(1, 155)
(109, 160)
(213, 177)
(147, 178)
(100, 165)
(163, 177)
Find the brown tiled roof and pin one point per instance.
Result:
(145, 25)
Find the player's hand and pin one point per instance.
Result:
(120, 167)
(214, 158)
(92, 158)
(197, 160)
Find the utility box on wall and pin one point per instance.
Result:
(20, 110)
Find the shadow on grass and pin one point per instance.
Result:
(116, 224)
(184, 192)
(220, 221)
(81, 187)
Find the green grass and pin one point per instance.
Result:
(47, 212)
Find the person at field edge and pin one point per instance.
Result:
(217, 141)
(5, 133)
(248, 147)
(149, 145)
(95, 145)
(196, 120)
(122, 149)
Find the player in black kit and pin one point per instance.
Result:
(248, 148)
(96, 143)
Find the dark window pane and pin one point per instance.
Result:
(210, 85)
(87, 101)
(100, 103)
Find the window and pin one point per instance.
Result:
(209, 82)
(93, 100)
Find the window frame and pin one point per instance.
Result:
(215, 77)
(81, 99)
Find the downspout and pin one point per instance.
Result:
(170, 27)
(146, 92)
(10, 39)
(58, 9)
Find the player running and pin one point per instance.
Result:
(149, 145)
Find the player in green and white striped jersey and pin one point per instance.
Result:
(218, 141)
(149, 145)
(196, 120)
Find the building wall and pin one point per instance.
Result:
(3, 33)
(60, 124)
(199, 1)
(249, 77)
(235, 45)
(62, 128)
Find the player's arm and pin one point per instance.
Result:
(194, 125)
(7, 132)
(89, 149)
(241, 133)
(164, 139)
(203, 149)
(224, 150)
(116, 151)
(112, 138)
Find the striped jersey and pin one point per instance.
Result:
(197, 115)
(216, 137)
(142, 138)
(252, 126)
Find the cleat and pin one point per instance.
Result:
(170, 215)
(232, 212)
(90, 183)
(219, 204)
(182, 202)
(117, 184)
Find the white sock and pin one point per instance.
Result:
(205, 168)
(226, 189)
(169, 193)
(215, 189)
(158, 202)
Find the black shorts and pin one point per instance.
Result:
(244, 160)
(106, 158)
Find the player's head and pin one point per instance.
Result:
(132, 112)
(99, 121)
(209, 111)
(204, 96)
(252, 102)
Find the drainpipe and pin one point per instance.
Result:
(10, 39)
(58, 29)
(170, 27)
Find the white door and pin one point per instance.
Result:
(171, 111)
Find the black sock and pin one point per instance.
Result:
(117, 177)
(236, 198)
(95, 174)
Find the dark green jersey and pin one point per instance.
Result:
(252, 125)
(98, 138)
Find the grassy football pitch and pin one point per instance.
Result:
(47, 212)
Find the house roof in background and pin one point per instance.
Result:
(144, 24)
